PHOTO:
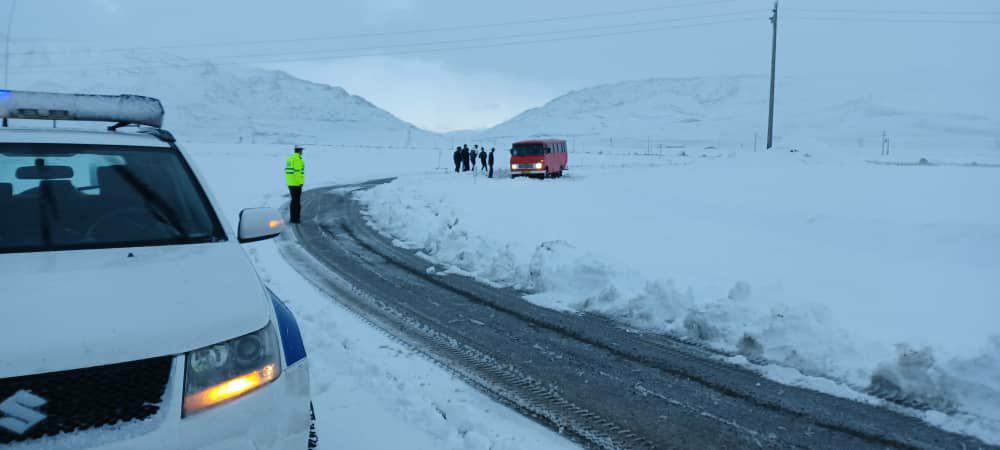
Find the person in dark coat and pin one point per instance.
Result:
(465, 158)
(482, 159)
(457, 158)
(472, 157)
(491, 161)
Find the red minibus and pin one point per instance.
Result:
(541, 158)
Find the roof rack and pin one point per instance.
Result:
(159, 133)
(121, 109)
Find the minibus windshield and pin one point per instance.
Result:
(528, 150)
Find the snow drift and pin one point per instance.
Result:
(878, 277)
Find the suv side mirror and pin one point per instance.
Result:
(258, 224)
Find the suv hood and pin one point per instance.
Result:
(74, 309)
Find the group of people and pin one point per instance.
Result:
(465, 159)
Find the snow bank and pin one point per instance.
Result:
(872, 275)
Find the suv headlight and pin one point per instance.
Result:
(538, 165)
(222, 372)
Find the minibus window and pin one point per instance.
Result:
(527, 150)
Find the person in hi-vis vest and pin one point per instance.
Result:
(295, 177)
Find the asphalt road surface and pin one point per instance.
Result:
(584, 376)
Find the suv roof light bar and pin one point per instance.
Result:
(121, 109)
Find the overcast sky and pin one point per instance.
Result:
(456, 64)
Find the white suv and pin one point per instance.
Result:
(130, 318)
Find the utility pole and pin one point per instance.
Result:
(774, 54)
(6, 52)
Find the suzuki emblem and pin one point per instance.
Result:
(19, 412)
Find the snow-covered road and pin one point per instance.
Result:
(370, 391)
(610, 387)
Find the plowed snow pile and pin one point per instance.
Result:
(827, 268)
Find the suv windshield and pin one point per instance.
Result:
(69, 196)
(527, 150)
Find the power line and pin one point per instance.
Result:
(893, 11)
(409, 52)
(325, 53)
(395, 33)
(893, 20)
(466, 40)
(495, 38)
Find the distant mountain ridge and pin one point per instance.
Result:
(211, 102)
(728, 111)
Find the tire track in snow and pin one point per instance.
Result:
(392, 289)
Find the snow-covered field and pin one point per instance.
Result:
(370, 391)
(824, 263)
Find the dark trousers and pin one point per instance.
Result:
(295, 206)
(491, 170)
(458, 165)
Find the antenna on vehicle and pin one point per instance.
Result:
(6, 52)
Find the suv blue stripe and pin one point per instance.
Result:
(291, 337)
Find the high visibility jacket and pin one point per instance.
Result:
(295, 170)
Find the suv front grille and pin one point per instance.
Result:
(95, 397)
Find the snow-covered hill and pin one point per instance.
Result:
(219, 102)
(211, 102)
(841, 113)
